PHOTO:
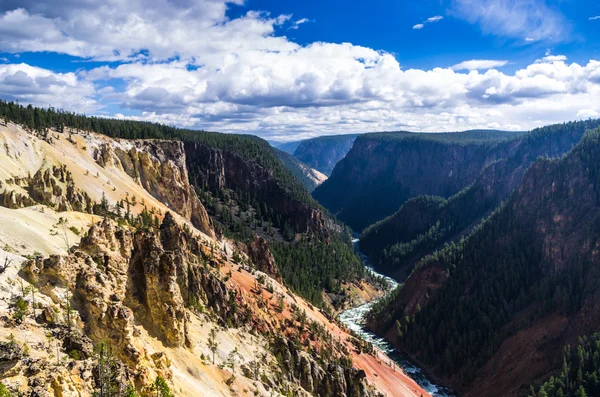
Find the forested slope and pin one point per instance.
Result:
(425, 223)
(383, 170)
(489, 313)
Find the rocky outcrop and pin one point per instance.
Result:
(10, 355)
(160, 168)
(13, 200)
(52, 186)
(262, 257)
(120, 277)
(324, 380)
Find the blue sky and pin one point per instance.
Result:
(387, 25)
(287, 70)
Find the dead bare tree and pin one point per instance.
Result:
(7, 263)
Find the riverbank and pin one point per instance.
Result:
(354, 319)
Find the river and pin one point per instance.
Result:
(354, 319)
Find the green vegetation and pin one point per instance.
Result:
(580, 372)
(21, 307)
(310, 266)
(4, 392)
(461, 138)
(160, 388)
(506, 266)
(384, 170)
(424, 223)
(212, 343)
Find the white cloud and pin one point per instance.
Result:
(594, 18)
(299, 22)
(551, 58)
(41, 87)
(327, 88)
(436, 18)
(190, 65)
(587, 114)
(433, 19)
(479, 64)
(531, 20)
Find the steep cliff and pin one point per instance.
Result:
(424, 224)
(218, 170)
(309, 177)
(489, 313)
(384, 170)
(324, 152)
(160, 168)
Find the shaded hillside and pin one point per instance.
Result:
(579, 376)
(309, 177)
(384, 170)
(425, 223)
(324, 152)
(489, 313)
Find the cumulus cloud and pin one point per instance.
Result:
(186, 63)
(418, 26)
(551, 58)
(41, 87)
(531, 20)
(337, 88)
(479, 64)
(587, 114)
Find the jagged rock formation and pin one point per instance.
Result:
(118, 276)
(316, 378)
(148, 284)
(261, 255)
(118, 279)
(160, 167)
(52, 186)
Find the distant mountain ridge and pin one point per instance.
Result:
(321, 153)
(324, 152)
(383, 170)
